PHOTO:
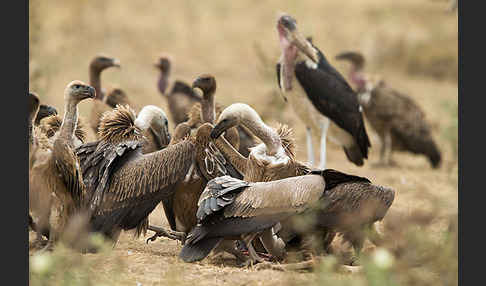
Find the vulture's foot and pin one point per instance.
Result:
(176, 235)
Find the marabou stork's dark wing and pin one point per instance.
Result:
(334, 98)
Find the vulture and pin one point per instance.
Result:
(114, 96)
(181, 97)
(55, 179)
(230, 208)
(44, 111)
(124, 185)
(210, 163)
(154, 124)
(185, 103)
(396, 117)
(271, 160)
(319, 95)
(33, 101)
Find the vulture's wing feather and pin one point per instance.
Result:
(219, 192)
(68, 167)
(286, 196)
(98, 161)
(141, 183)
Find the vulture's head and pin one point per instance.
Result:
(292, 41)
(355, 58)
(101, 62)
(77, 91)
(116, 96)
(44, 111)
(163, 64)
(33, 105)
(234, 115)
(153, 119)
(206, 83)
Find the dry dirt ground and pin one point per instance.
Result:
(412, 44)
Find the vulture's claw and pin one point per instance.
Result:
(176, 235)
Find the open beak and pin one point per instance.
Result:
(303, 45)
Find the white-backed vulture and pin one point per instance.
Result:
(396, 117)
(181, 210)
(55, 180)
(320, 96)
(230, 208)
(125, 185)
(154, 124)
(44, 111)
(271, 160)
(33, 110)
(103, 103)
(181, 97)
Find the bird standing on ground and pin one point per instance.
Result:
(55, 180)
(396, 117)
(319, 95)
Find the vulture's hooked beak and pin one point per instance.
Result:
(91, 92)
(116, 63)
(221, 127)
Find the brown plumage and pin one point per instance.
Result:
(154, 124)
(230, 208)
(124, 185)
(103, 103)
(396, 117)
(210, 163)
(44, 111)
(274, 159)
(181, 97)
(55, 180)
(33, 101)
(51, 125)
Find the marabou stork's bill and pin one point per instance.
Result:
(320, 96)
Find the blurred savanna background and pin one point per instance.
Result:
(412, 44)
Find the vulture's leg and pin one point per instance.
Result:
(324, 128)
(327, 239)
(254, 258)
(310, 149)
(176, 235)
(229, 246)
(273, 244)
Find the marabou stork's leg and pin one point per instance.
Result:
(324, 128)
(176, 235)
(310, 149)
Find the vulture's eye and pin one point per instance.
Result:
(77, 86)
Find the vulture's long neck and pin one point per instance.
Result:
(267, 134)
(95, 81)
(69, 121)
(208, 111)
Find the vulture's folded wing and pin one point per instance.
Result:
(67, 165)
(98, 161)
